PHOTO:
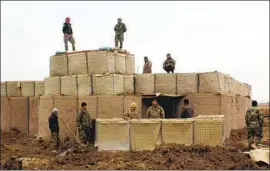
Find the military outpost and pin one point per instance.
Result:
(105, 80)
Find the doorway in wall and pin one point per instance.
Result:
(170, 105)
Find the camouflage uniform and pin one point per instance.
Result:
(169, 65)
(84, 124)
(254, 122)
(119, 29)
(147, 68)
(155, 112)
(131, 114)
(68, 36)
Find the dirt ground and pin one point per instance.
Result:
(38, 155)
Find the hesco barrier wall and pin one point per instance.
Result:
(109, 107)
(112, 134)
(146, 134)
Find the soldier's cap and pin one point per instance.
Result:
(168, 54)
(133, 105)
(119, 19)
(145, 57)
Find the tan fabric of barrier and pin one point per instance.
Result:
(84, 85)
(58, 65)
(112, 134)
(144, 84)
(130, 64)
(52, 86)
(3, 89)
(77, 64)
(39, 88)
(28, 88)
(165, 83)
(110, 107)
(212, 82)
(13, 89)
(69, 86)
(44, 111)
(120, 63)
(128, 81)
(5, 114)
(179, 131)
(108, 84)
(145, 134)
(19, 113)
(100, 62)
(33, 115)
(187, 83)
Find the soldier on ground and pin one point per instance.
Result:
(119, 29)
(84, 124)
(54, 127)
(155, 111)
(254, 123)
(147, 68)
(187, 110)
(68, 34)
(131, 113)
(169, 64)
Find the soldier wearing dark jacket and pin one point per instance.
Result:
(187, 111)
(68, 34)
(54, 127)
(119, 29)
(169, 64)
(84, 124)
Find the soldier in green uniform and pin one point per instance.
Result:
(155, 111)
(119, 29)
(84, 124)
(169, 64)
(131, 113)
(254, 123)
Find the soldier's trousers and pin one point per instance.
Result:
(55, 139)
(252, 132)
(69, 38)
(119, 38)
(85, 135)
(169, 69)
(260, 135)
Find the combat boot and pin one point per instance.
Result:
(74, 49)
(121, 45)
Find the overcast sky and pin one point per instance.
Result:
(231, 37)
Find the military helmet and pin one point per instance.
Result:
(133, 105)
(119, 19)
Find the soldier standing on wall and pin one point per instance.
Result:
(254, 122)
(155, 111)
(84, 124)
(147, 68)
(68, 34)
(119, 29)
